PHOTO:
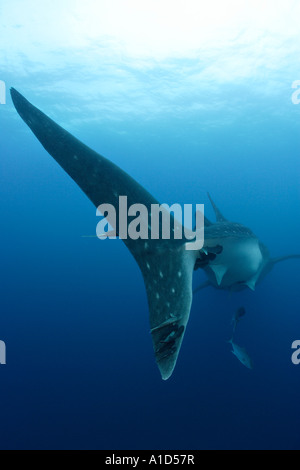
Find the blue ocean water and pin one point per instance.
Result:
(80, 370)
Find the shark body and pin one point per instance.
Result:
(244, 260)
(232, 257)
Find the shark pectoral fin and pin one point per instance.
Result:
(251, 284)
(219, 270)
(284, 258)
(168, 281)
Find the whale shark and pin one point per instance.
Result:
(232, 256)
(244, 260)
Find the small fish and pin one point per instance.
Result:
(241, 354)
(237, 316)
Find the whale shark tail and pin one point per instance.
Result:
(166, 265)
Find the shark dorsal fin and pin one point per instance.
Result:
(219, 215)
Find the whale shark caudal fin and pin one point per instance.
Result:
(166, 265)
(219, 215)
